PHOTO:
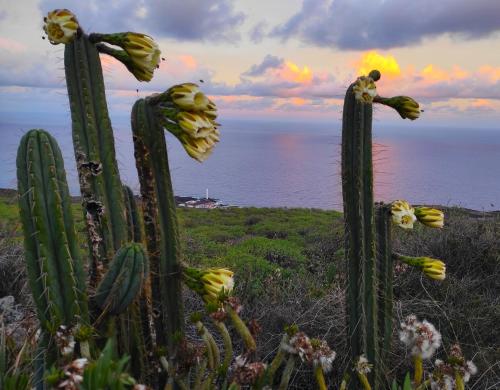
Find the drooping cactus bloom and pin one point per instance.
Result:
(403, 214)
(140, 53)
(365, 89)
(190, 115)
(406, 107)
(432, 268)
(213, 284)
(144, 53)
(60, 26)
(430, 217)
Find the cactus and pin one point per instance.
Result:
(385, 280)
(100, 186)
(368, 244)
(160, 223)
(53, 261)
(123, 280)
(357, 190)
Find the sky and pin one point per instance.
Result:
(286, 59)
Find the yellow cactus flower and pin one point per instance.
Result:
(406, 107)
(143, 52)
(212, 283)
(364, 89)
(140, 53)
(217, 281)
(60, 26)
(189, 97)
(430, 217)
(188, 114)
(198, 134)
(403, 214)
(432, 268)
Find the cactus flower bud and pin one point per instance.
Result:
(432, 268)
(365, 89)
(406, 107)
(213, 284)
(403, 214)
(430, 217)
(140, 53)
(60, 26)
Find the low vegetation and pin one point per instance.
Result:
(289, 268)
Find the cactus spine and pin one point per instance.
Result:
(357, 190)
(102, 194)
(160, 223)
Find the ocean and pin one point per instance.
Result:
(297, 164)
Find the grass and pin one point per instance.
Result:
(289, 268)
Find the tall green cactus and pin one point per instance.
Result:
(367, 240)
(160, 223)
(53, 262)
(357, 190)
(52, 256)
(385, 280)
(100, 185)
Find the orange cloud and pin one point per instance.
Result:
(297, 101)
(11, 45)
(493, 74)
(292, 72)
(370, 60)
(188, 61)
(433, 73)
(478, 103)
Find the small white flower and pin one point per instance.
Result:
(363, 366)
(422, 338)
(469, 369)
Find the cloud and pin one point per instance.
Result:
(362, 25)
(187, 20)
(269, 62)
(370, 60)
(258, 32)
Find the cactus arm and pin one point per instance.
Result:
(386, 275)
(353, 216)
(160, 222)
(357, 190)
(122, 282)
(52, 255)
(93, 141)
(370, 262)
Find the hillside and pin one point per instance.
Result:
(289, 268)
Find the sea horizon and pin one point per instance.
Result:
(276, 163)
